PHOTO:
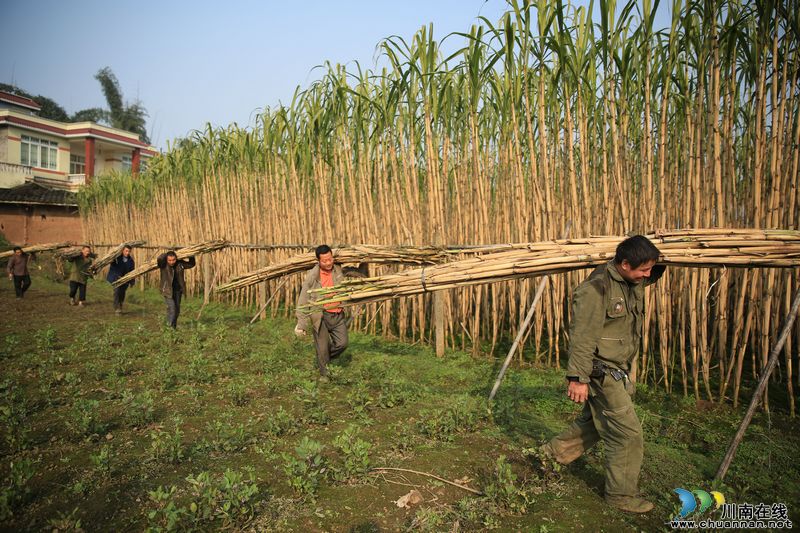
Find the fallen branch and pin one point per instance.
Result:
(388, 469)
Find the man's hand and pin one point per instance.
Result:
(299, 332)
(578, 392)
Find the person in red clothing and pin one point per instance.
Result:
(329, 323)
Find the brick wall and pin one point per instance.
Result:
(27, 225)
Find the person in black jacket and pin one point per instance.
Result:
(173, 284)
(121, 266)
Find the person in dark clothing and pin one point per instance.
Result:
(121, 266)
(17, 269)
(173, 284)
(80, 275)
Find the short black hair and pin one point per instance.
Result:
(172, 253)
(17, 248)
(636, 250)
(322, 249)
(127, 246)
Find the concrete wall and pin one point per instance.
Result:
(26, 225)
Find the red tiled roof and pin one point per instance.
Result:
(19, 100)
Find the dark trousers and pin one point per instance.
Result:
(21, 284)
(173, 308)
(119, 296)
(331, 339)
(79, 289)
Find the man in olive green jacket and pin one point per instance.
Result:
(79, 276)
(605, 332)
(329, 323)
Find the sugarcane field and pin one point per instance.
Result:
(476, 265)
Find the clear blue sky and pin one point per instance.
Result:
(192, 62)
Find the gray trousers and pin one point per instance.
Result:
(173, 308)
(331, 339)
(119, 296)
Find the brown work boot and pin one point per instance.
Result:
(629, 504)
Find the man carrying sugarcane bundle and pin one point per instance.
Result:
(605, 332)
(173, 284)
(18, 273)
(119, 267)
(79, 276)
(329, 323)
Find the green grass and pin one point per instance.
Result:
(117, 423)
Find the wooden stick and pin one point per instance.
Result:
(524, 327)
(386, 468)
(759, 393)
(263, 307)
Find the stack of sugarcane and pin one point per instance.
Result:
(426, 255)
(182, 253)
(112, 255)
(39, 248)
(694, 248)
(68, 254)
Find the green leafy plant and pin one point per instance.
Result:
(354, 454)
(15, 490)
(225, 436)
(231, 497)
(306, 468)
(102, 460)
(167, 446)
(200, 370)
(84, 417)
(315, 412)
(14, 420)
(139, 409)
(504, 490)
(360, 401)
(237, 394)
(281, 423)
(167, 515)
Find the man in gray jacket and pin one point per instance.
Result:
(173, 284)
(329, 323)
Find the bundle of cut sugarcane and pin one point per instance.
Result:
(69, 254)
(426, 255)
(39, 248)
(182, 253)
(112, 255)
(694, 248)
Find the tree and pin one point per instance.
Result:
(125, 116)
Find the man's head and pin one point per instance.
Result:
(126, 251)
(172, 258)
(325, 257)
(85, 251)
(635, 257)
(17, 250)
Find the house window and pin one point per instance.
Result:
(77, 164)
(127, 163)
(39, 153)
